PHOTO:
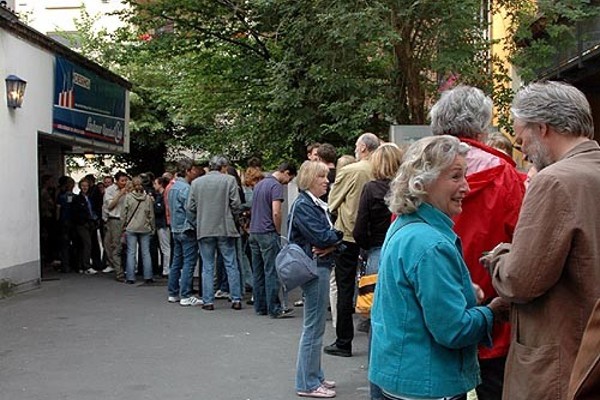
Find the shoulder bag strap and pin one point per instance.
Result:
(134, 211)
(289, 232)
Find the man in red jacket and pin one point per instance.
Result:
(490, 210)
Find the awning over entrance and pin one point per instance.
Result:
(80, 145)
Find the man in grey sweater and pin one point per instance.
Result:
(212, 204)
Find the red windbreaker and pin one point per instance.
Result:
(489, 216)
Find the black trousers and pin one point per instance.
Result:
(492, 378)
(345, 276)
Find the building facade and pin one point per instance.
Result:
(70, 105)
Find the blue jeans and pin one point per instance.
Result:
(132, 241)
(183, 262)
(459, 397)
(373, 268)
(244, 263)
(208, 250)
(222, 280)
(309, 373)
(264, 247)
(373, 260)
(374, 390)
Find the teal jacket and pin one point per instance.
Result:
(425, 321)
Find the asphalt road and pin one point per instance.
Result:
(90, 338)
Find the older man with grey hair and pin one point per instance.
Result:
(213, 202)
(343, 200)
(490, 210)
(551, 271)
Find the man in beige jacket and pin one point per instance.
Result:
(551, 272)
(343, 201)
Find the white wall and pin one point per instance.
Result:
(19, 229)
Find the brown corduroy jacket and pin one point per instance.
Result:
(585, 378)
(551, 275)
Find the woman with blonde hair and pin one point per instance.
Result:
(311, 228)
(374, 218)
(138, 226)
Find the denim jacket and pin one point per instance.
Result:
(310, 227)
(177, 200)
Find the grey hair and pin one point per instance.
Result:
(217, 162)
(558, 104)
(464, 111)
(370, 141)
(184, 165)
(422, 164)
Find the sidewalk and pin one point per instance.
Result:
(92, 338)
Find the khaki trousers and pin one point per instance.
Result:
(113, 245)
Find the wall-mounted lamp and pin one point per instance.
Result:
(15, 91)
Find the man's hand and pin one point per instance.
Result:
(501, 309)
(488, 258)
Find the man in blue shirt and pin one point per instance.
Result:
(185, 245)
(265, 228)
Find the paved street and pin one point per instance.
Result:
(90, 338)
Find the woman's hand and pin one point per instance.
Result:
(323, 252)
(479, 295)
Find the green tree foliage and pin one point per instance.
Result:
(267, 77)
(270, 76)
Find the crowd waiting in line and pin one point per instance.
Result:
(486, 276)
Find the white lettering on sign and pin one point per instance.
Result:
(92, 126)
(82, 81)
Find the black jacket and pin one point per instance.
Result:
(373, 218)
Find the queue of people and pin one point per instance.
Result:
(487, 277)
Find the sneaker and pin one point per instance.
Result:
(91, 271)
(209, 307)
(236, 305)
(173, 299)
(221, 294)
(286, 313)
(334, 350)
(328, 384)
(191, 301)
(321, 392)
(108, 270)
(299, 303)
(129, 282)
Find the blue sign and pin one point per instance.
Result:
(86, 105)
